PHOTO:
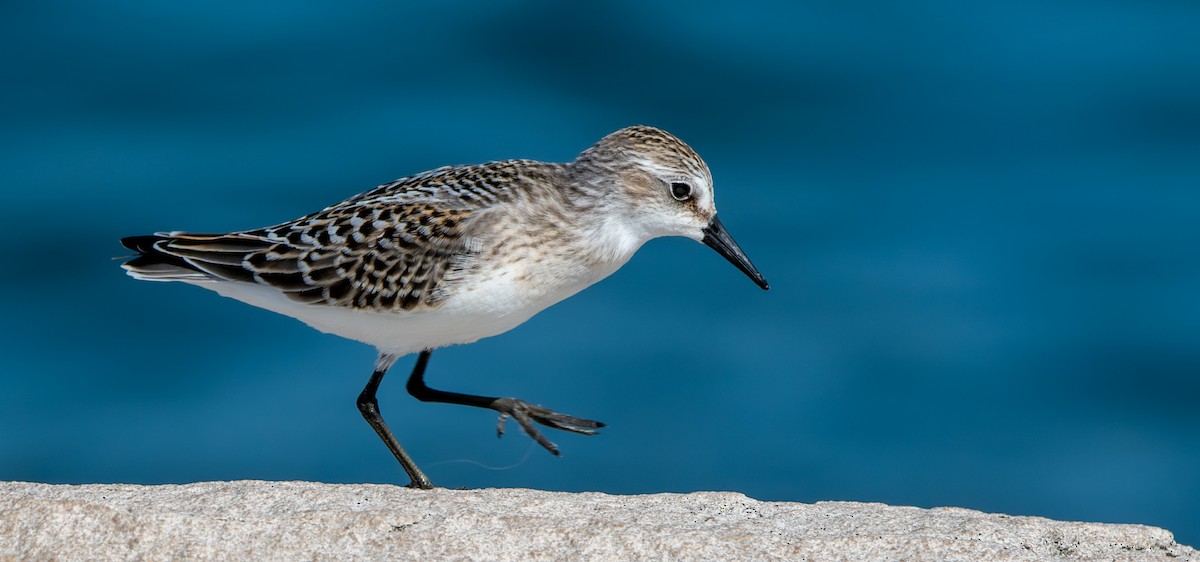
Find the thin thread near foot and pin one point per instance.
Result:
(524, 459)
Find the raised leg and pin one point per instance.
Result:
(370, 411)
(524, 412)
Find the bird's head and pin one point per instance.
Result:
(665, 187)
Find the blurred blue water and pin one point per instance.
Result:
(979, 221)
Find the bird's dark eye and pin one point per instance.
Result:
(681, 190)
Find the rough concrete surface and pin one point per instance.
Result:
(310, 521)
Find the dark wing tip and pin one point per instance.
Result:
(149, 255)
(156, 251)
(142, 244)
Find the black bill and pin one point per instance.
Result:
(717, 238)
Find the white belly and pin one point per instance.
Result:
(480, 308)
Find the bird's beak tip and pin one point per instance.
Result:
(718, 239)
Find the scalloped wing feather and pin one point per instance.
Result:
(393, 247)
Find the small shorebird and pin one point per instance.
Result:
(456, 254)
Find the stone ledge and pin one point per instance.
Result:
(304, 520)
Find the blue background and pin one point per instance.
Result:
(979, 220)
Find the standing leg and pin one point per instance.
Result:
(523, 412)
(370, 411)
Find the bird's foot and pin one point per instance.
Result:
(423, 484)
(525, 414)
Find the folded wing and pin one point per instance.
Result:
(366, 256)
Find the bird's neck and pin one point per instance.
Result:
(610, 229)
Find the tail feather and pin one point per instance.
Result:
(178, 256)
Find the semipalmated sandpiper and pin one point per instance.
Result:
(457, 254)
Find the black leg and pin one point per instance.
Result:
(370, 411)
(524, 412)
